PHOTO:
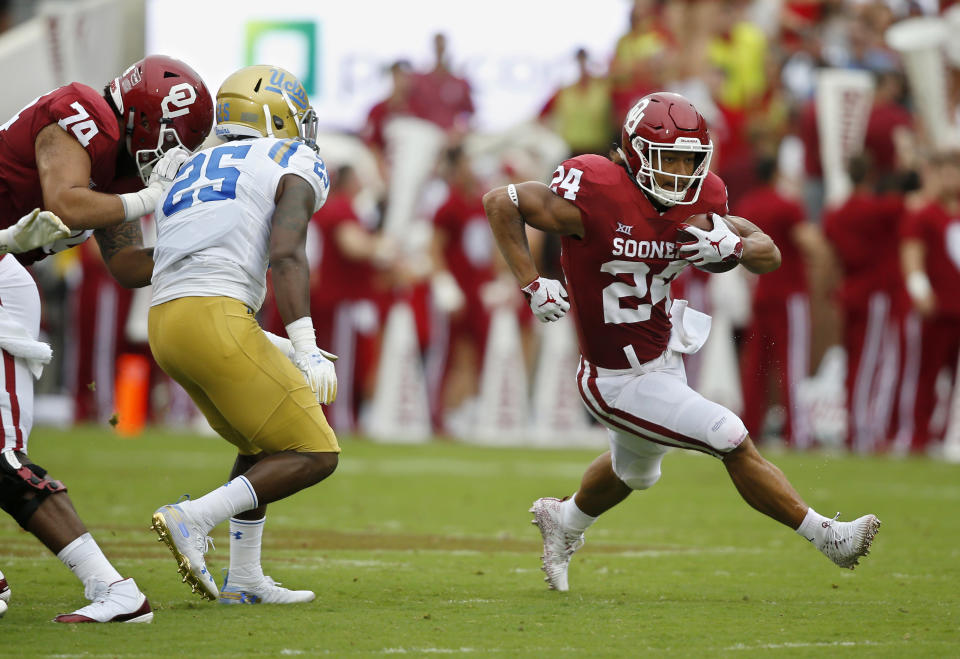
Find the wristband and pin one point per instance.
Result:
(302, 334)
(137, 204)
(918, 285)
(512, 193)
(530, 289)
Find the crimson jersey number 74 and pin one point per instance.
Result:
(567, 181)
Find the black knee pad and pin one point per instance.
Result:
(24, 486)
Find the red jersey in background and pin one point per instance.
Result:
(441, 98)
(776, 216)
(864, 234)
(468, 249)
(940, 234)
(339, 278)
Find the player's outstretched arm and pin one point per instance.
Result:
(532, 204)
(64, 169)
(760, 253)
(121, 247)
(509, 210)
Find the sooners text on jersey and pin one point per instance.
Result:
(85, 115)
(619, 274)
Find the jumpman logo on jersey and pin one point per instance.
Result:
(624, 228)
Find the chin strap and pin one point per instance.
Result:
(268, 119)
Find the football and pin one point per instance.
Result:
(705, 221)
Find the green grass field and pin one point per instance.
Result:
(429, 550)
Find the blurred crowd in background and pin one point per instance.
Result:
(841, 303)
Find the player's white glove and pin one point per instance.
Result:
(137, 204)
(286, 347)
(167, 167)
(547, 299)
(63, 244)
(319, 374)
(35, 229)
(718, 244)
(316, 366)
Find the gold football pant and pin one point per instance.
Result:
(251, 394)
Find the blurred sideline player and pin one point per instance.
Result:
(776, 347)
(233, 210)
(68, 152)
(463, 254)
(397, 103)
(99, 309)
(619, 221)
(345, 290)
(930, 244)
(872, 301)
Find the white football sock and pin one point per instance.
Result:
(574, 519)
(812, 527)
(233, 498)
(245, 541)
(86, 560)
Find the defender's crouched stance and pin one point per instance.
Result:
(233, 209)
(632, 336)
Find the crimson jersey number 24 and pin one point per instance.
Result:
(567, 181)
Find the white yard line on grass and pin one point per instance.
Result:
(435, 650)
(802, 644)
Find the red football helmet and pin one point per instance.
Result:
(162, 103)
(665, 122)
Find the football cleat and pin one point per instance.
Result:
(120, 601)
(558, 545)
(845, 543)
(188, 541)
(267, 591)
(4, 589)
